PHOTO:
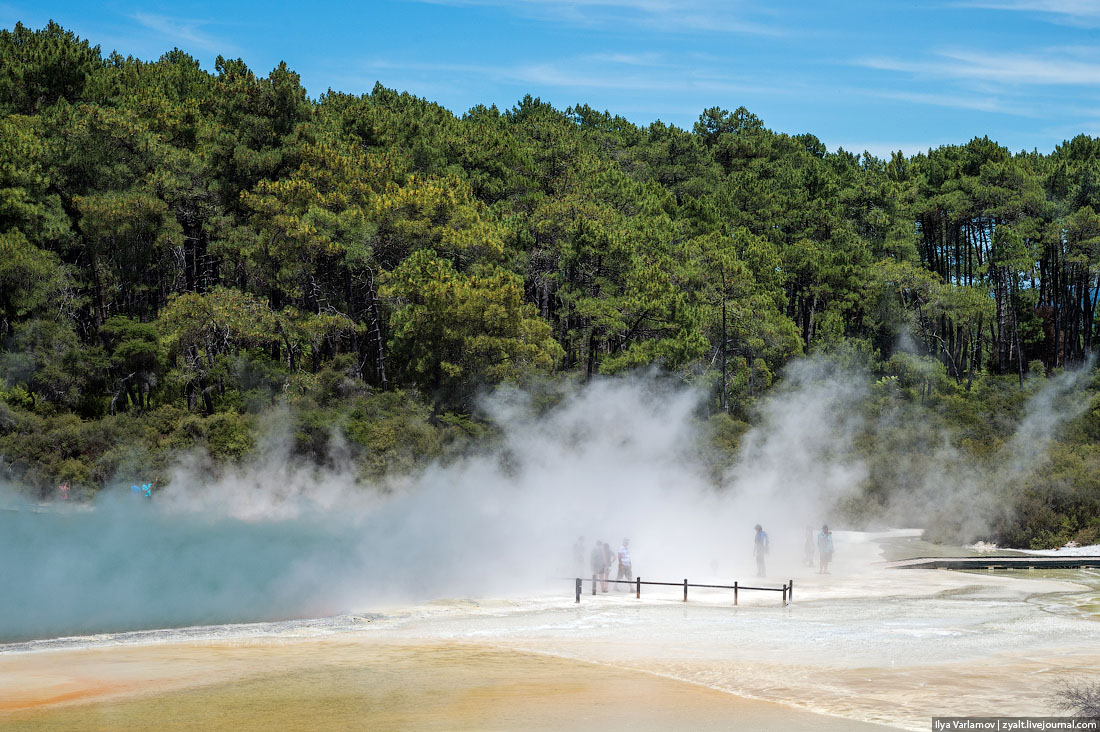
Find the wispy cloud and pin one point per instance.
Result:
(186, 33)
(954, 101)
(718, 16)
(646, 74)
(1079, 12)
(630, 59)
(998, 67)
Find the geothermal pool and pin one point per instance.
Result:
(866, 645)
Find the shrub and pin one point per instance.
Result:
(229, 435)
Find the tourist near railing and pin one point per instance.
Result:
(787, 589)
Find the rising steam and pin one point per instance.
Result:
(274, 539)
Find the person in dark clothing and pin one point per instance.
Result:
(597, 562)
(608, 558)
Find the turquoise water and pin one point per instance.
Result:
(131, 566)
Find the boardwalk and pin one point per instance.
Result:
(1015, 561)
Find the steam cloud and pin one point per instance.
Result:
(273, 539)
(946, 486)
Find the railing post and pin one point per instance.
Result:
(638, 591)
(790, 591)
(578, 589)
(685, 589)
(784, 594)
(734, 593)
(593, 584)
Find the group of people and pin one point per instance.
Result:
(823, 545)
(601, 559)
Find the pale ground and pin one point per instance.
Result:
(894, 647)
(1089, 550)
(1092, 550)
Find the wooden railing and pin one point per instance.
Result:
(787, 589)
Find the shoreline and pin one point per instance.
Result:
(871, 644)
(861, 577)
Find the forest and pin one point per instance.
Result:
(183, 252)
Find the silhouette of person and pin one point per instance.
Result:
(625, 570)
(825, 548)
(760, 550)
(598, 564)
(608, 557)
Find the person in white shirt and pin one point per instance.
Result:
(825, 548)
(625, 570)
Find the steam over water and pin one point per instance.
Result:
(872, 644)
(271, 539)
(128, 564)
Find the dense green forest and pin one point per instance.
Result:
(182, 252)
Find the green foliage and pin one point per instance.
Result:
(29, 278)
(393, 434)
(458, 331)
(229, 435)
(137, 359)
(39, 68)
(182, 251)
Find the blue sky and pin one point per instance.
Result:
(867, 74)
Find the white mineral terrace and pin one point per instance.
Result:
(866, 643)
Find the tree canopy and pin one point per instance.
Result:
(190, 244)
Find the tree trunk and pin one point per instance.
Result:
(590, 367)
(725, 348)
(377, 337)
(1002, 320)
(1019, 349)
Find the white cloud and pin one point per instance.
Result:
(1081, 12)
(956, 101)
(629, 59)
(655, 15)
(183, 32)
(1003, 68)
(594, 72)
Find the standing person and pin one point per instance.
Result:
(825, 548)
(808, 549)
(608, 557)
(598, 564)
(625, 569)
(760, 550)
